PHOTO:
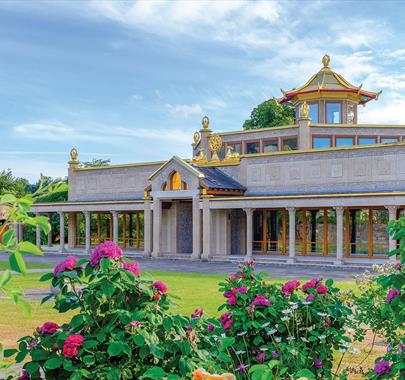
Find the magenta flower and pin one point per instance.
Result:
(382, 367)
(310, 297)
(23, 376)
(241, 290)
(275, 355)
(289, 287)
(65, 265)
(108, 249)
(392, 293)
(261, 357)
(136, 324)
(197, 313)
(242, 368)
(261, 301)
(322, 289)
(48, 328)
(210, 327)
(134, 267)
(160, 286)
(71, 346)
(310, 284)
(226, 320)
(318, 363)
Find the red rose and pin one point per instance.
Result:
(69, 351)
(48, 328)
(322, 289)
(74, 340)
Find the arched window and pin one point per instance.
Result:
(184, 185)
(164, 186)
(175, 181)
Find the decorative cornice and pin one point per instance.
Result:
(152, 163)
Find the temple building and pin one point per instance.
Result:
(321, 190)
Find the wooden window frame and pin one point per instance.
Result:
(341, 111)
(343, 137)
(283, 138)
(274, 139)
(366, 137)
(389, 137)
(258, 141)
(330, 137)
(319, 110)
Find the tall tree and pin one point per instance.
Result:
(270, 114)
(12, 185)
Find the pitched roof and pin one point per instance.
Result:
(182, 163)
(216, 179)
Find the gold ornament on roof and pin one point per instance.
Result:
(231, 156)
(326, 60)
(304, 110)
(201, 158)
(196, 138)
(215, 145)
(205, 122)
(73, 154)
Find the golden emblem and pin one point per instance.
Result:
(326, 60)
(73, 154)
(231, 156)
(205, 122)
(215, 145)
(196, 138)
(304, 110)
(200, 158)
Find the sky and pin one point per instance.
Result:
(131, 80)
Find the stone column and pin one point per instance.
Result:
(339, 235)
(87, 231)
(249, 233)
(62, 232)
(392, 210)
(115, 226)
(20, 232)
(207, 220)
(147, 234)
(50, 231)
(38, 234)
(72, 229)
(15, 227)
(157, 226)
(196, 228)
(304, 130)
(291, 246)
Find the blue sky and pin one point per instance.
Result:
(131, 80)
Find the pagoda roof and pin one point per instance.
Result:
(327, 83)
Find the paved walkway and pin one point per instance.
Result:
(280, 270)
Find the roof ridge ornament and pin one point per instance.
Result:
(326, 61)
(205, 122)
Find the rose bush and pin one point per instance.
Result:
(122, 329)
(278, 331)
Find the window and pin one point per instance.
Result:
(333, 113)
(389, 140)
(343, 141)
(236, 147)
(289, 144)
(270, 146)
(175, 181)
(321, 142)
(313, 112)
(253, 147)
(367, 140)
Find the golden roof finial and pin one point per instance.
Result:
(205, 122)
(304, 110)
(73, 154)
(326, 60)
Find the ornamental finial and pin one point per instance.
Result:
(304, 110)
(205, 122)
(73, 154)
(326, 60)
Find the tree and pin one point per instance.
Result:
(96, 162)
(12, 185)
(270, 114)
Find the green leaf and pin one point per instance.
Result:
(104, 263)
(167, 324)
(32, 368)
(155, 373)
(47, 277)
(17, 263)
(139, 340)
(7, 198)
(53, 363)
(7, 236)
(26, 247)
(115, 348)
(9, 352)
(89, 360)
(305, 373)
(90, 344)
(5, 278)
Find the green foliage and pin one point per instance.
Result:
(96, 162)
(12, 185)
(127, 329)
(381, 305)
(270, 114)
(276, 331)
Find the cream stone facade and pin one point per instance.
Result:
(322, 190)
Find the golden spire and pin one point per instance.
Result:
(325, 61)
(304, 110)
(205, 122)
(73, 154)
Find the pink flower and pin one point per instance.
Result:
(318, 363)
(261, 301)
(68, 264)
(71, 346)
(210, 327)
(310, 284)
(289, 287)
(275, 355)
(134, 267)
(226, 320)
(261, 357)
(24, 375)
(69, 351)
(382, 367)
(108, 249)
(160, 286)
(232, 300)
(242, 368)
(392, 293)
(197, 313)
(48, 328)
(241, 290)
(75, 340)
(310, 297)
(322, 289)
(136, 324)
(157, 297)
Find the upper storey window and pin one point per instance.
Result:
(175, 181)
(313, 112)
(253, 147)
(333, 112)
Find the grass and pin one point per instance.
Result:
(4, 265)
(194, 290)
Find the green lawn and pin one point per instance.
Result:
(4, 265)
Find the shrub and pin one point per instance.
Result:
(122, 329)
(277, 331)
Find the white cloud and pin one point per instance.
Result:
(45, 131)
(387, 110)
(136, 98)
(185, 110)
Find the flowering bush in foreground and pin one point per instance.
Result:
(278, 331)
(122, 329)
